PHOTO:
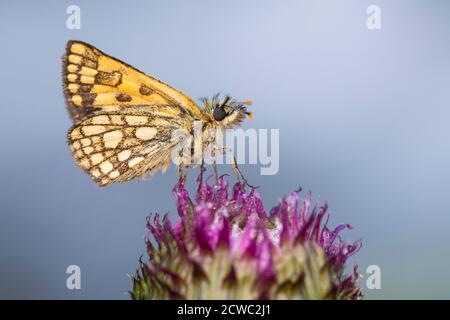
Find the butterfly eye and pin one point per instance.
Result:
(219, 113)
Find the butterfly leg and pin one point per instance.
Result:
(182, 174)
(180, 171)
(216, 174)
(202, 170)
(236, 170)
(186, 172)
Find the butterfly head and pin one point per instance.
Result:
(227, 112)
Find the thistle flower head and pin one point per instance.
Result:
(226, 246)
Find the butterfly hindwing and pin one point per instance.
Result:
(116, 145)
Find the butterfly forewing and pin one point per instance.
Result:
(93, 79)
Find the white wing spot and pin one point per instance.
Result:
(114, 174)
(112, 139)
(136, 120)
(106, 167)
(124, 155)
(96, 158)
(100, 120)
(96, 173)
(88, 150)
(146, 133)
(92, 130)
(135, 161)
(85, 142)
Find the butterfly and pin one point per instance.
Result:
(124, 120)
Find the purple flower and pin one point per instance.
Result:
(226, 246)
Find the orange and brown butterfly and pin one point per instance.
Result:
(124, 119)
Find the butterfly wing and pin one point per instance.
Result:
(117, 145)
(92, 80)
(124, 119)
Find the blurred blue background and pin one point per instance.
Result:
(363, 118)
